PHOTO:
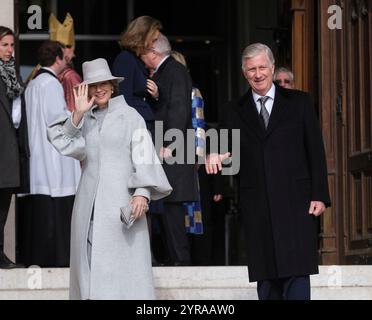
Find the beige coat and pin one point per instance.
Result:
(111, 174)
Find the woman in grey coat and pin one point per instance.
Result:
(119, 166)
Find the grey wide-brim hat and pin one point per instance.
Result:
(97, 71)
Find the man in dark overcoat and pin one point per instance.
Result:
(283, 179)
(173, 111)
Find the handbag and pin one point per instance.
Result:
(126, 216)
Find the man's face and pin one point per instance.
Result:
(259, 73)
(6, 48)
(62, 63)
(283, 79)
(149, 59)
(69, 53)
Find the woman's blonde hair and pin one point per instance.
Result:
(178, 56)
(139, 35)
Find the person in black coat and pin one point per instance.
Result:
(14, 155)
(173, 110)
(137, 89)
(283, 179)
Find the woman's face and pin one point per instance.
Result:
(6, 48)
(102, 92)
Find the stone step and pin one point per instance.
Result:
(192, 283)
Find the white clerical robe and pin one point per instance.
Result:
(50, 172)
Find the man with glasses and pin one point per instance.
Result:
(284, 78)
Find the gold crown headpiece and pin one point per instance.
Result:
(63, 33)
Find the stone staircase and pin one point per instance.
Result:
(192, 283)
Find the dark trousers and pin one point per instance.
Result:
(175, 231)
(5, 197)
(43, 230)
(292, 288)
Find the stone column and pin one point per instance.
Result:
(7, 13)
(7, 19)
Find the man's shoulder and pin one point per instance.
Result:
(45, 82)
(69, 71)
(293, 93)
(125, 56)
(176, 66)
(239, 101)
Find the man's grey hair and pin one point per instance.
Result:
(285, 70)
(162, 45)
(255, 49)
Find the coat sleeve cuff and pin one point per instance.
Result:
(70, 129)
(143, 192)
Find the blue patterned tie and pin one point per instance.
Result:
(264, 114)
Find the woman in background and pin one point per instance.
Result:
(14, 154)
(137, 87)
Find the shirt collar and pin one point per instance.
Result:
(270, 94)
(161, 62)
(50, 70)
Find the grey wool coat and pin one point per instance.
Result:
(116, 165)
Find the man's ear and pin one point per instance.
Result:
(58, 60)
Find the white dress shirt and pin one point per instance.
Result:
(161, 62)
(269, 103)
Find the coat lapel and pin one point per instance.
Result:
(248, 112)
(279, 111)
(4, 100)
(158, 73)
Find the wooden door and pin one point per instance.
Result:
(357, 79)
(345, 72)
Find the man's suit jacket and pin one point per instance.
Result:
(282, 169)
(14, 154)
(174, 109)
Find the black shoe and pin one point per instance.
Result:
(6, 263)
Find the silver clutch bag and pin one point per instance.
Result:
(126, 216)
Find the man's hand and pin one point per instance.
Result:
(217, 197)
(316, 208)
(213, 163)
(152, 89)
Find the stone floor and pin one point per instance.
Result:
(193, 283)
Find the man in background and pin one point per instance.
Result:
(173, 108)
(69, 78)
(44, 215)
(284, 78)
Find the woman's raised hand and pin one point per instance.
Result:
(82, 102)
